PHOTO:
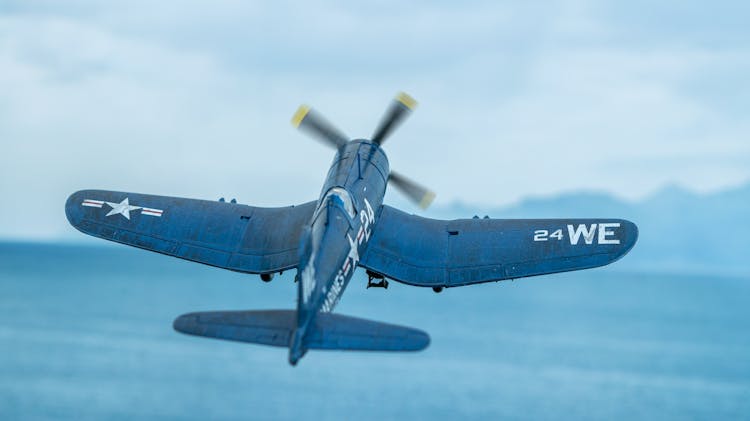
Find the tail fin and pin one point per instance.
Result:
(329, 331)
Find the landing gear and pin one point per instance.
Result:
(437, 289)
(266, 277)
(383, 283)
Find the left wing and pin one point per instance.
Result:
(227, 235)
(430, 252)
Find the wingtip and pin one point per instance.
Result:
(300, 115)
(427, 200)
(74, 211)
(406, 100)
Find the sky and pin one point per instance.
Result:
(516, 99)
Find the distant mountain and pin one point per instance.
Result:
(679, 230)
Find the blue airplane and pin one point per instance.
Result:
(325, 240)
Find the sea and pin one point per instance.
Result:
(86, 333)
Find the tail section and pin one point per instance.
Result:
(335, 331)
(278, 328)
(270, 327)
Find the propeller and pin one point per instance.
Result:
(400, 108)
(308, 120)
(417, 193)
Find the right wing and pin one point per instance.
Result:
(434, 253)
(227, 235)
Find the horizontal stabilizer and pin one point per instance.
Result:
(329, 331)
(334, 331)
(270, 327)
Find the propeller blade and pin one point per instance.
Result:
(397, 112)
(307, 119)
(418, 194)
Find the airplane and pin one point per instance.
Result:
(327, 239)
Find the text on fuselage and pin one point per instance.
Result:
(366, 218)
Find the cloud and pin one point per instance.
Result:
(515, 99)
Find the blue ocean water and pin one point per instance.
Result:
(85, 333)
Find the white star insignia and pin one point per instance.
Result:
(123, 208)
(353, 251)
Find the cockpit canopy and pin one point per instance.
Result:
(338, 197)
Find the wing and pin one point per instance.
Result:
(227, 235)
(429, 252)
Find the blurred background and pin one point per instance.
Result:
(561, 108)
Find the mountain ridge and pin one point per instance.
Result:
(679, 229)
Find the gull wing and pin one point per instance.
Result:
(226, 235)
(437, 253)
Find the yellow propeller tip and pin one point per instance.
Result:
(427, 200)
(405, 99)
(300, 115)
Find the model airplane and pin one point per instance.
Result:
(327, 239)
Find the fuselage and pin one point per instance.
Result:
(338, 232)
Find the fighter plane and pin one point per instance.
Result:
(327, 239)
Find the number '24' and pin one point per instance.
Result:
(543, 235)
